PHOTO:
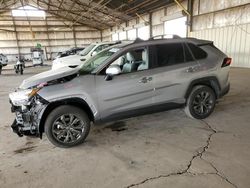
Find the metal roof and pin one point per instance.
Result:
(99, 14)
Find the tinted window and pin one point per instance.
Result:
(169, 54)
(197, 52)
(188, 55)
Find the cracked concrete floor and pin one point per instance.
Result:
(166, 149)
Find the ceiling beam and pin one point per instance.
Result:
(105, 11)
(90, 18)
(140, 6)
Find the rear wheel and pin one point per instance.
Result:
(21, 69)
(201, 102)
(67, 126)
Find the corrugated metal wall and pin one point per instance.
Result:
(227, 23)
(233, 40)
(159, 16)
(51, 33)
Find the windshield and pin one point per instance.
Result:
(97, 60)
(87, 50)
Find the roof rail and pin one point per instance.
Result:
(138, 40)
(118, 42)
(165, 37)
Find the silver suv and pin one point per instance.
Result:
(121, 81)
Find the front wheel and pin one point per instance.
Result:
(67, 126)
(201, 102)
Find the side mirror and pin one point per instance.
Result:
(111, 71)
(93, 53)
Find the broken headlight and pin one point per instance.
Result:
(22, 97)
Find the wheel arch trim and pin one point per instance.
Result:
(210, 81)
(75, 101)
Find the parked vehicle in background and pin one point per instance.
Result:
(3, 62)
(19, 66)
(71, 51)
(82, 56)
(122, 81)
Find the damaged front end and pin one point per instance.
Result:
(28, 107)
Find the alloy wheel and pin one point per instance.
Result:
(203, 103)
(68, 128)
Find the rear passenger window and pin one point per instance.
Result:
(197, 52)
(169, 54)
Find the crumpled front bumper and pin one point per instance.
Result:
(27, 120)
(16, 128)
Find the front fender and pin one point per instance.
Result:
(74, 101)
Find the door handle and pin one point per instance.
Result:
(192, 69)
(145, 79)
(150, 78)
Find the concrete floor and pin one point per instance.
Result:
(161, 150)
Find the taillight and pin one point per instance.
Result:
(226, 62)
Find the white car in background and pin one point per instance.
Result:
(82, 56)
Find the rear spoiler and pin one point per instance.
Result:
(204, 43)
(200, 42)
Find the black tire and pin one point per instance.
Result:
(58, 130)
(201, 102)
(15, 68)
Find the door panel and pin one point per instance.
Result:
(171, 82)
(124, 92)
(174, 72)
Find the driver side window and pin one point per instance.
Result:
(132, 61)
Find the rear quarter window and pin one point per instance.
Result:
(197, 52)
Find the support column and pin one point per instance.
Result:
(46, 51)
(101, 35)
(190, 18)
(17, 41)
(150, 25)
(74, 35)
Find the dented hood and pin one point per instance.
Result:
(48, 76)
